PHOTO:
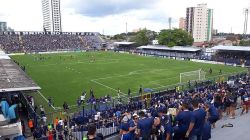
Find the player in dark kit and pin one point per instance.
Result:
(129, 92)
(140, 90)
(210, 71)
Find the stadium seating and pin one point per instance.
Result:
(28, 43)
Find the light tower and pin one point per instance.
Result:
(169, 22)
(246, 12)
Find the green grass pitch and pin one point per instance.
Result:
(64, 76)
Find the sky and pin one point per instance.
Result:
(110, 16)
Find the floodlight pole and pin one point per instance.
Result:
(246, 12)
(126, 31)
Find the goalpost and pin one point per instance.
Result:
(197, 75)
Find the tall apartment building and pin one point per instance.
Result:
(199, 22)
(3, 26)
(51, 15)
(182, 23)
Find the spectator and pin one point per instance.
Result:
(91, 134)
(195, 129)
(133, 126)
(206, 133)
(183, 120)
(213, 116)
(245, 101)
(65, 107)
(145, 126)
(31, 125)
(124, 129)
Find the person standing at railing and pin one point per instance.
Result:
(30, 124)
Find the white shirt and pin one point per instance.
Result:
(60, 122)
(82, 98)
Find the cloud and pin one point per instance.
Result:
(101, 8)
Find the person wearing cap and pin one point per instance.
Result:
(145, 126)
(133, 126)
(124, 129)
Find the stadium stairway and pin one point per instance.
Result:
(21, 42)
(240, 129)
(83, 42)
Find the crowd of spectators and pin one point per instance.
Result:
(237, 58)
(10, 43)
(28, 43)
(176, 115)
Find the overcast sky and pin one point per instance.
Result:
(111, 15)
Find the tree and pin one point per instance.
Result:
(244, 43)
(141, 38)
(175, 37)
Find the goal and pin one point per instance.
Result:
(197, 75)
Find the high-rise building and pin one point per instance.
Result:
(51, 15)
(182, 23)
(3, 26)
(199, 22)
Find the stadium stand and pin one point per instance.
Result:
(19, 42)
(232, 55)
(139, 118)
(14, 108)
(176, 51)
(114, 119)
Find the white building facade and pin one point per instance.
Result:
(199, 22)
(51, 15)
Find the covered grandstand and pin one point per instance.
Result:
(13, 81)
(124, 46)
(172, 52)
(232, 55)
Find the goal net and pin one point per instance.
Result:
(197, 75)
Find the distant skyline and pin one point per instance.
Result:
(111, 15)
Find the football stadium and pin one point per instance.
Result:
(106, 72)
(190, 83)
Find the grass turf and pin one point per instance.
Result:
(64, 76)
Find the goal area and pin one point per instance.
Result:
(197, 75)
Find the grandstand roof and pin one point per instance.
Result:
(12, 78)
(124, 43)
(232, 48)
(3, 55)
(175, 48)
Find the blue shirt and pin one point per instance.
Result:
(124, 126)
(213, 111)
(145, 126)
(206, 131)
(183, 119)
(132, 124)
(198, 118)
(168, 129)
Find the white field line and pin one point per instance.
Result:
(107, 87)
(82, 62)
(158, 84)
(130, 73)
(46, 99)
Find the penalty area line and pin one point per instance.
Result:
(107, 87)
